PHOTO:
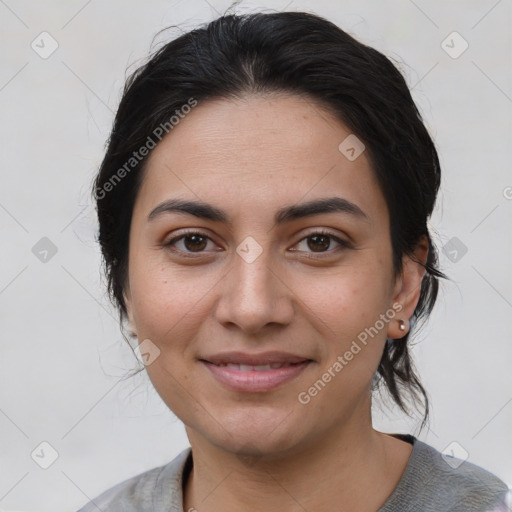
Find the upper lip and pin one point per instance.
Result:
(254, 359)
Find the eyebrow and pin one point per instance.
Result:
(286, 214)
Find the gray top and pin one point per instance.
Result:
(430, 483)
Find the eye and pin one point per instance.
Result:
(320, 241)
(191, 242)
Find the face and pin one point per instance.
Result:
(252, 298)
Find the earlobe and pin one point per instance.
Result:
(408, 288)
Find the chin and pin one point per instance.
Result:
(254, 433)
(250, 448)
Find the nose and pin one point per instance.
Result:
(254, 295)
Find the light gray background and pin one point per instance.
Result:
(62, 355)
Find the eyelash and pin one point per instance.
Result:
(343, 244)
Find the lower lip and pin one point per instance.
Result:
(255, 380)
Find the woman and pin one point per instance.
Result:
(263, 208)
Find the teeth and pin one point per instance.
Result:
(262, 367)
(250, 367)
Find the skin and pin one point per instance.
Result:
(266, 451)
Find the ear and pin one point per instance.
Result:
(127, 295)
(407, 288)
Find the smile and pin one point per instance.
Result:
(259, 367)
(258, 378)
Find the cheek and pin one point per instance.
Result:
(346, 301)
(169, 308)
(165, 301)
(345, 308)
(153, 300)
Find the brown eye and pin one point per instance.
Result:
(321, 242)
(193, 242)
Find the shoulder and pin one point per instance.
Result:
(159, 489)
(433, 481)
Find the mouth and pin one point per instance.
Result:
(254, 372)
(252, 367)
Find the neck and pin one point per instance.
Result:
(355, 468)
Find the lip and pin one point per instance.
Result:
(254, 359)
(254, 380)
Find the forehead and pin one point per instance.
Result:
(258, 150)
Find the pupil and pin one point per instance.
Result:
(196, 240)
(317, 237)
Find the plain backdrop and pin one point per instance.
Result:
(62, 356)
